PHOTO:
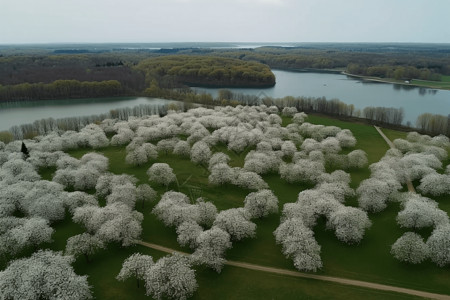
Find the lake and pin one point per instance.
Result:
(350, 90)
(414, 100)
(18, 113)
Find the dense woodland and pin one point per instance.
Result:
(173, 71)
(425, 64)
(135, 69)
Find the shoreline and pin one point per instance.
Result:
(381, 80)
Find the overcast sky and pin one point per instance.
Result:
(44, 21)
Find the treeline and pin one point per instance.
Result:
(177, 70)
(61, 89)
(334, 107)
(18, 69)
(425, 64)
(396, 72)
(45, 126)
(384, 115)
(434, 123)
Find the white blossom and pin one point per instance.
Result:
(435, 184)
(34, 278)
(349, 224)
(410, 248)
(136, 265)
(236, 223)
(161, 173)
(182, 148)
(187, 234)
(357, 159)
(439, 245)
(299, 244)
(83, 244)
(171, 277)
(261, 203)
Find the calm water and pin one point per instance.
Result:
(26, 112)
(415, 101)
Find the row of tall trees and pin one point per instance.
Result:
(434, 123)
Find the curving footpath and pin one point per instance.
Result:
(388, 141)
(352, 282)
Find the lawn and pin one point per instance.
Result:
(370, 260)
(444, 83)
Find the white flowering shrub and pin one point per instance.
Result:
(439, 245)
(248, 180)
(17, 234)
(346, 138)
(218, 158)
(136, 265)
(83, 244)
(161, 173)
(419, 212)
(200, 153)
(211, 247)
(107, 181)
(261, 203)
(357, 159)
(289, 111)
(221, 174)
(339, 189)
(299, 118)
(262, 162)
(349, 224)
(435, 184)
(145, 193)
(373, 194)
(182, 148)
(77, 199)
(15, 170)
(410, 248)
(207, 212)
(171, 277)
(123, 193)
(113, 223)
(236, 222)
(303, 170)
(299, 244)
(166, 146)
(34, 278)
(174, 208)
(187, 234)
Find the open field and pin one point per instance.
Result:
(368, 261)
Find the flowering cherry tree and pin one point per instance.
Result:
(34, 278)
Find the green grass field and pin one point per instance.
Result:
(443, 84)
(369, 261)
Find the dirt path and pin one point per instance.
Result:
(352, 282)
(388, 141)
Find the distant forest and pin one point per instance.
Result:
(56, 72)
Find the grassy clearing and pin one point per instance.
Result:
(394, 134)
(443, 84)
(370, 260)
